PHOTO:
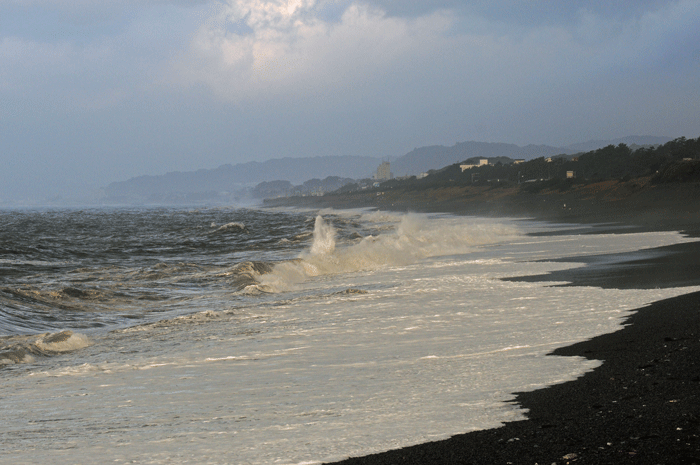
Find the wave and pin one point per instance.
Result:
(36, 300)
(247, 274)
(415, 237)
(233, 226)
(150, 284)
(24, 349)
(123, 296)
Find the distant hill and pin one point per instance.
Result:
(232, 178)
(271, 189)
(657, 185)
(422, 159)
(229, 182)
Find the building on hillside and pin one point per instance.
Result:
(482, 162)
(383, 172)
(570, 174)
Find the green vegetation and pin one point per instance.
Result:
(675, 161)
(315, 186)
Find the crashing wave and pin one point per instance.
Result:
(248, 274)
(411, 239)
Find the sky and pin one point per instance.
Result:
(93, 92)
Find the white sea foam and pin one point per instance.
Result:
(229, 226)
(64, 341)
(14, 358)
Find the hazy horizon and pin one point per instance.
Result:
(93, 93)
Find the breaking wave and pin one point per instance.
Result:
(414, 238)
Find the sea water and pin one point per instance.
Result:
(223, 335)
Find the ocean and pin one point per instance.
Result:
(254, 336)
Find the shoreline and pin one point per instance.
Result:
(637, 203)
(642, 405)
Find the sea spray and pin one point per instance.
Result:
(412, 237)
(324, 237)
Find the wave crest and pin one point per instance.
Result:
(233, 226)
(411, 239)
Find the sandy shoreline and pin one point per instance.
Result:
(642, 405)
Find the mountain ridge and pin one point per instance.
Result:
(422, 159)
(232, 178)
(229, 181)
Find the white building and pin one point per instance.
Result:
(482, 162)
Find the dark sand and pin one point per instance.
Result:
(642, 405)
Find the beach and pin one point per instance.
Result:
(173, 335)
(642, 405)
(296, 336)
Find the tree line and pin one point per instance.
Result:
(674, 161)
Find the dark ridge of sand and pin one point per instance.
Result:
(676, 265)
(642, 405)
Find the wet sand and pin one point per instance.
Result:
(642, 405)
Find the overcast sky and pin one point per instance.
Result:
(93, 92)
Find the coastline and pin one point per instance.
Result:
(637, 203)
(642, 405)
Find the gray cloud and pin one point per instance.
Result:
(521, 11)
(107, 92)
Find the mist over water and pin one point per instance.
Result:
(247, 336)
